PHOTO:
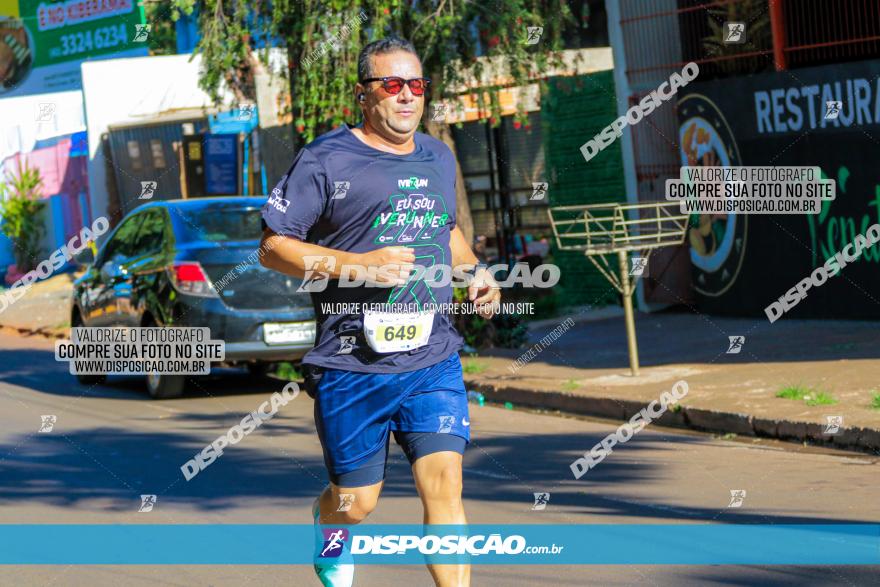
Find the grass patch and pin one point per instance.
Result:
(875, 401)
(821, 398)
(473, 367)
(570, 385)
(288, 371)
(793, 392)
(812, 397)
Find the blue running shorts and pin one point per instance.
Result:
(355, 413)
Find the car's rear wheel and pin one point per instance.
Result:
(259, 369)
(161, 386)
(77, 322)
(165, 386)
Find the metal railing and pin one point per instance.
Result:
(600, 230)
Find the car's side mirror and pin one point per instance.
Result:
(84, 257)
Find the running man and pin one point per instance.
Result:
(381, 195)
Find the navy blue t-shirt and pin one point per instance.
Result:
(342, 194)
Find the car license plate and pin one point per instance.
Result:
(288, 332)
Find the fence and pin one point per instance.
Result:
(660, 36)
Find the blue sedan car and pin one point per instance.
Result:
(193, 263)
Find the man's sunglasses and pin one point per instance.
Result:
(393, 85)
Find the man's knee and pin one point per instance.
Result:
(442, 481)
(355, 504)
(355, 515)
(450, 476)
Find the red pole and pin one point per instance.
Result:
(777, 25)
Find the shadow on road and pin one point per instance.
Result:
(38, 370)
(118, 465)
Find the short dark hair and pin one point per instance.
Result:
(386, 45)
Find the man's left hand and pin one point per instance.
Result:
(485, 293)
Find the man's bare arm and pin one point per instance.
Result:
(462, 254)
(287, 255)
(483, 290)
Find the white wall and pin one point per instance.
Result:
(129, 90)
(21, 128)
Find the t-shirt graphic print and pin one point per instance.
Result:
(343, 194)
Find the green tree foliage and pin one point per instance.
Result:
(758, 36)
(19, 206)
(323, 39)
(161, 17)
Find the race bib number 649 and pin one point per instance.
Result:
(389, 332)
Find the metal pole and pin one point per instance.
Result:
(626, 290)
(780, 41)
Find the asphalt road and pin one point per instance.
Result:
(110, 444)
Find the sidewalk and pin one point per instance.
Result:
(44, 308)
(586, 372)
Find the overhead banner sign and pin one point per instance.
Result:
(42, 43)
(825, 116)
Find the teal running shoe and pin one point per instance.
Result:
(331, 571)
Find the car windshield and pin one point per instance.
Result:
(222, 222)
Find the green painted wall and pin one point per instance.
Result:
(574, 109)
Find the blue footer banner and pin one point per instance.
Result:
(570, 544)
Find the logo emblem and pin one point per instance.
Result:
(317, 276)
(45, 111)
(246, 112)
(439, 112)
(833, 424)
(736, 344)
(334, 541)
(734, 33)
(717, 242)
(533, 34)
(48, 423)
(412, 183)
(346, 500)
(141, 33)
(277, 202)
(539, 190)
(340, 189)
(148, 188)
(638, 266)
(541, 500)
(465, 421)
(346, 345)
(446, 424)
(147, 503)
(832, 109)
(737, 496)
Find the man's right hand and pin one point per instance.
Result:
(395, 264)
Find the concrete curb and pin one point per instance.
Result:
(851, 438)
(59, 333)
